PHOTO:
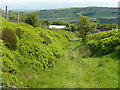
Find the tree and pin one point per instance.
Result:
(32, 19)
(107, 26)
(44, 24)
(12, 16)
(22, 17)
(84, 26)
(58, 23)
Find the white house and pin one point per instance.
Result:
(57, 27)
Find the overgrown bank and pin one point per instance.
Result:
(29, 57)
(103, 43)
(73, 71)
(24, 45)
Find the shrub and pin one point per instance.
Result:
(0, 35)
(47, 40)
(103, 42)
(85, 52)
(32, 19)
(18, 32)
(9, 38)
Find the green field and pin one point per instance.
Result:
(72, 14)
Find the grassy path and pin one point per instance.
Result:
(72, 71)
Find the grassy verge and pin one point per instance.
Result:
(72, 71)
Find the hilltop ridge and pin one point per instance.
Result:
(71, 14)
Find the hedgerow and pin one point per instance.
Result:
(38, 48)
(104, 42)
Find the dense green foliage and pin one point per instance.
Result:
(34, 58)
(108, 20)
(85, 26)
(43, 24)
(38, 48)
(104, 42)
(32, 19)
(107, 26)
(13, 16)
(9, 38)
(72, 71)
(103, 14)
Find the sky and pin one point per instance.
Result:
(54, 4)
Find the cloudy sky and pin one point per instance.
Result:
(51, 4)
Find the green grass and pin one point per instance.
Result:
(72, 71)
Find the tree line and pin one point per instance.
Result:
(82, 26)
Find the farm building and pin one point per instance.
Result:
(57, 27)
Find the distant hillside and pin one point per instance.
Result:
(103, 14)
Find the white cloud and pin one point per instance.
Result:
(56, 3)
(82, 1)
